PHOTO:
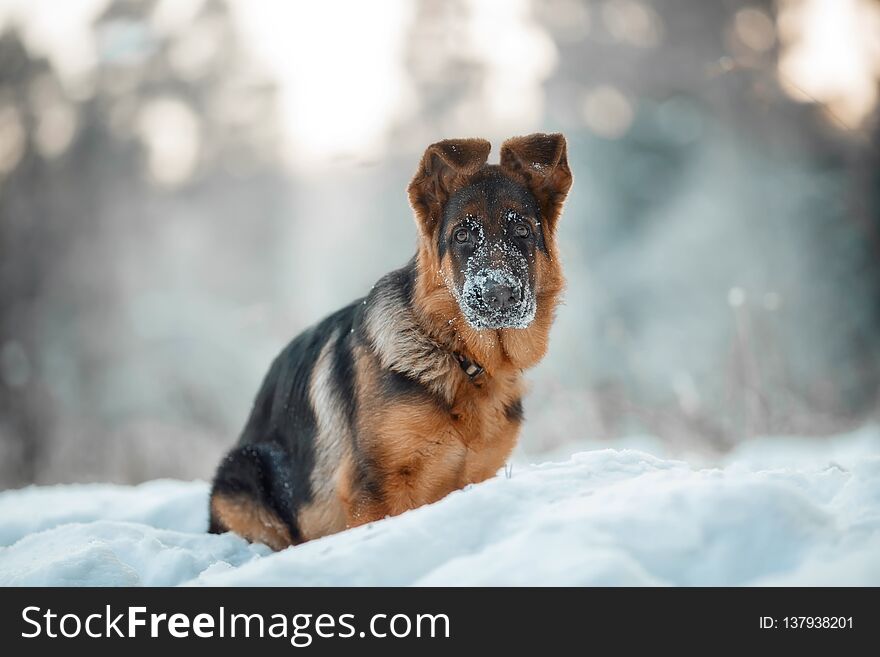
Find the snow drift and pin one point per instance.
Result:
(779, 512)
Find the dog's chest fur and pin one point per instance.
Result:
(427, 449)
(432, 427)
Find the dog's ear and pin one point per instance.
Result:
(444, 167)
(541, 161)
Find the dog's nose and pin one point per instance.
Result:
(500, 296)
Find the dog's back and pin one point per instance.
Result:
(294, 428)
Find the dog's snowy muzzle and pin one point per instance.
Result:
(495, 299)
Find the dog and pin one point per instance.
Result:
(415, 390)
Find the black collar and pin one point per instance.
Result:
(469, 367)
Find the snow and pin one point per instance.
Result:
(773, 512)
(105, 535)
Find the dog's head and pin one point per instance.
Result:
(490, 227)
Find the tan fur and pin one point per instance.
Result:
(424, 452)
(251, 520)
(321, 518)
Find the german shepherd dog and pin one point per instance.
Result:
(415, 390)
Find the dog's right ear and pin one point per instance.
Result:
(445, 166)
(541, 161)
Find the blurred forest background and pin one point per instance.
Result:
(185, 185)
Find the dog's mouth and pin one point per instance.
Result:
(496, 299)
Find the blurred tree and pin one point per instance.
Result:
(721, 242)
(444, 75)
(175, 143)
(28, 255)
(661, 101)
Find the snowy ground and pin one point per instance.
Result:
(783, 511)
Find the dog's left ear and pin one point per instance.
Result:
(542, 162)
(445, 166)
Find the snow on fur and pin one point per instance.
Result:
(790, 512)
(511, 269)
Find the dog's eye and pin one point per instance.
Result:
(522, 230)
(462, 235)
